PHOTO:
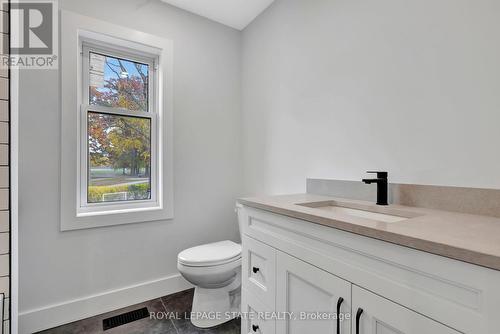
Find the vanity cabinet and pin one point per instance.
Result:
(311, 300)
(295, 273)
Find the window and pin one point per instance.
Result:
(118, 140)
(116, 125)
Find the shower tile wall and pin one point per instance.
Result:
(4, 174)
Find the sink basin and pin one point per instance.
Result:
(334, 207)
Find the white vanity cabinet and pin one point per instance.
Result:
(295, 271)
(286, 287)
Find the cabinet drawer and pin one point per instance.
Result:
(252, 318)
(259, 270)
(380, 315)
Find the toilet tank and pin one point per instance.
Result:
(239, 211)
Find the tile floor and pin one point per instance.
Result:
(178, 303)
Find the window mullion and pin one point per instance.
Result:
(118, 111)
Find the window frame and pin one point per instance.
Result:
(84, 207)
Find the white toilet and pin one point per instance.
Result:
(215, 271)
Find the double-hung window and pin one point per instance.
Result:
(116, 124)
(118, 130)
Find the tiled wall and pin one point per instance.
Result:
(4, 174)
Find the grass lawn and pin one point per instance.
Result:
(111, 181)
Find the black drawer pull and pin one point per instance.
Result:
(255, 270)
(255, 328)
(339, 304)
(358, 316)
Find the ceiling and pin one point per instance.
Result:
(234, 13)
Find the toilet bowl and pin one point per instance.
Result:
(215, 271)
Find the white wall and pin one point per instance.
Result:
(332, 88)
(56, 267)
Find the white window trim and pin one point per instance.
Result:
(76, 32)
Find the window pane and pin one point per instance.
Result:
(118, 83)
(119, 158)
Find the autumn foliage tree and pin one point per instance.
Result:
(121, 142)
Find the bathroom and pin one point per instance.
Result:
(196, 166)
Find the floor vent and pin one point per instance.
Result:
(125, 318)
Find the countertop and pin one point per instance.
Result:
(470, 238)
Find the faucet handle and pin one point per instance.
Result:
(380, 175)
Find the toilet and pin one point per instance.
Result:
(215, 271)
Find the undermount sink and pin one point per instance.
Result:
(334, 207)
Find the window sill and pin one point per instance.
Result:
(103, 212)
(101, 217)
(116, 217)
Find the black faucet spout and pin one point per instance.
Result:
(382, 185)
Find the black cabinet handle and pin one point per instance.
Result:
(255, 328)
(339, 304)
(358, 316)
(255, 270)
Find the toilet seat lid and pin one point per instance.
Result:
(210, 254)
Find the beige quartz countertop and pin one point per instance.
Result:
(469, 238)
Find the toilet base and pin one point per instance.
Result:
(212, 307)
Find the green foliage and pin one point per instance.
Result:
(136, 191)
(120, 142)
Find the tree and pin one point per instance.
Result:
(122, 90)
(98, 140)
(130, 144)
(121, 141)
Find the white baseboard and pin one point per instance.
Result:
(55, 315)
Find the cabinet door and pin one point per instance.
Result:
(307, 297)
(381, 316)
(253, 319)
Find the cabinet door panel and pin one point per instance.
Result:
(259, 270)
(310, 295)
(253, 320)
(381, 316)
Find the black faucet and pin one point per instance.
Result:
(381, 182)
